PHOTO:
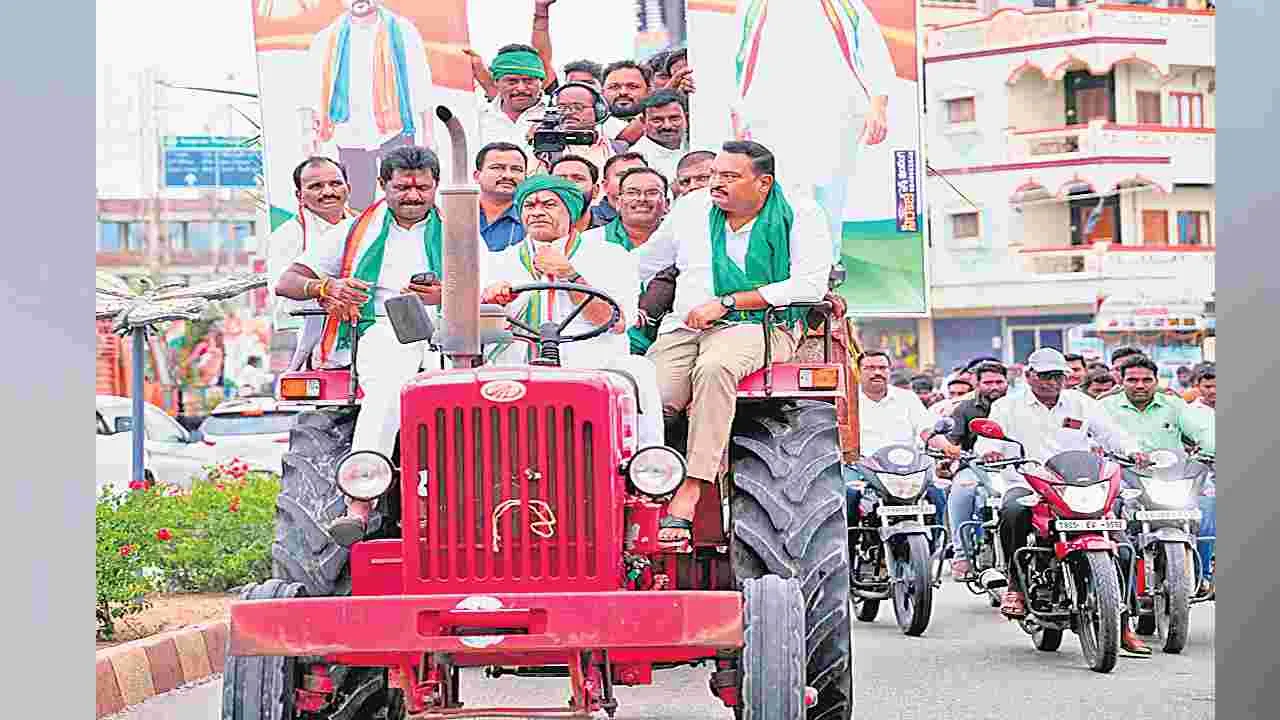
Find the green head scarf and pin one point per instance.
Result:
(517, 62)
(569, 193)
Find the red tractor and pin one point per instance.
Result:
(517, 531)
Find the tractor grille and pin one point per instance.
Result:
(529, 472)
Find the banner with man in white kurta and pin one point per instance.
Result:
(832, 87)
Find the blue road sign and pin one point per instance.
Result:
(210, 162)
(190, 168)
(239, 168)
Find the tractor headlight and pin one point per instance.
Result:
(903, 487)
(364, 475)
(1170, 493)
(656, 470)
(1085, 500)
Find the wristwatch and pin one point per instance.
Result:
(728, 301)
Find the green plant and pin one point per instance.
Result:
(210, 538)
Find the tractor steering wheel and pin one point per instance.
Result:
(548, 337)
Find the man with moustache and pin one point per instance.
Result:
(577, 103)
(626, 85)
(693, 172)
(643, 205)
(584, 175)
(739, 247)
(500, 167)
(518, 73)
(554, 251)
(605, 211)
(374, 94)
(666, 130)
(966, 497)
(320, 184)
(381, 250)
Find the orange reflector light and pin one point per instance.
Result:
(254, 412)
(826, 378)
(300, 388)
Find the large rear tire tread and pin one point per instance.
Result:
(1103, 647)
(773, 655)
(261, 688)
(1174, 619)
(303, 551)
(789, 519)
(913, 615)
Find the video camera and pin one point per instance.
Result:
(550, 135)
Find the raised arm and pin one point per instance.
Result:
(541, 40)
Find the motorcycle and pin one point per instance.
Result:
(892, 539)
(1163, 503)
(988, 575)
(1071, 571)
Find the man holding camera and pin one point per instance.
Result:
(576, 113)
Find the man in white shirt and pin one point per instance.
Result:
(519, 75)
(1047, 420)
(389, 243)
(554, 251)
(321, 187)
(666, 131)
(740, 246)
(889, 415)
(375, 91)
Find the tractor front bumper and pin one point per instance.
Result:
(503, 623)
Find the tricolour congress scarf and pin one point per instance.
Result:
(535, 312)
(392, 110)
(844, 23)
(362, 256)
(768, 254)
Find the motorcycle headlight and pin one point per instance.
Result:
(656, 470)
(1173, 493)
(903, 487)
(1085, 500)
(364, 475)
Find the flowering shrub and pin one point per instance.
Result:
(213, 537)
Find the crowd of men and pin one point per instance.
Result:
(1050, 404)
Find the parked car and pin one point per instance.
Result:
(254, 429)
(172, 454)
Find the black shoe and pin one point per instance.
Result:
(347, 530)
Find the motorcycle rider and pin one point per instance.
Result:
(966, 494)
(1160, 422)
(1048, 420)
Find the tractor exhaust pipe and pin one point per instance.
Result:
(460, 212)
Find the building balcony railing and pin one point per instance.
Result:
(1052, 276)
(1190, 151)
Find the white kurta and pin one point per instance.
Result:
(611, 269)
(661, 158)
(284, 245)
(496, 126)
(684, 238)
(898, 418)
(361, 129)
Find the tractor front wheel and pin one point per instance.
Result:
(773, 677)
(788, 519)
(261, 688)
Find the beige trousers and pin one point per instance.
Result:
(700, 372)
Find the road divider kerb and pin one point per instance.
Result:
(129, 673)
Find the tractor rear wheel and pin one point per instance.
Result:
(261, 688)
(303, 550)
(773, 656)
(788, 518)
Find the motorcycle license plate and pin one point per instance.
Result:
(1167, 515)
(1088, 525)
(896, 510)
(994, 502)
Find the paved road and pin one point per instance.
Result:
(970, 664)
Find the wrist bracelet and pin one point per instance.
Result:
(324, 288)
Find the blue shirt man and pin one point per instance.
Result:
(500, 167)
(503, 232)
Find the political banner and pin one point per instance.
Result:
(832, 87)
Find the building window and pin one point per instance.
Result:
(137, 236)
(1027, 339)
(1194, 228)
(1148, 108)
(1155, 227)
(961, 110)
(1186, 109)
(112, 236)
(203, 235)
(176, 235)
(240, 237)
(1095, 220)
(1043, 3)
(964, 226)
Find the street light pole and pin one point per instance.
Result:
(139, 421)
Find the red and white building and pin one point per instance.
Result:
(1071, 148)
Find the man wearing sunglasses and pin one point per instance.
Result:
(1048, 420)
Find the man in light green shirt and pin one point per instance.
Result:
(1159, 421)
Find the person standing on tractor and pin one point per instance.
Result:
(554, 251)
(739, 247)
(395, 239)
(322, 190)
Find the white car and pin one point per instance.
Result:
(172, 455)
(254, 429)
